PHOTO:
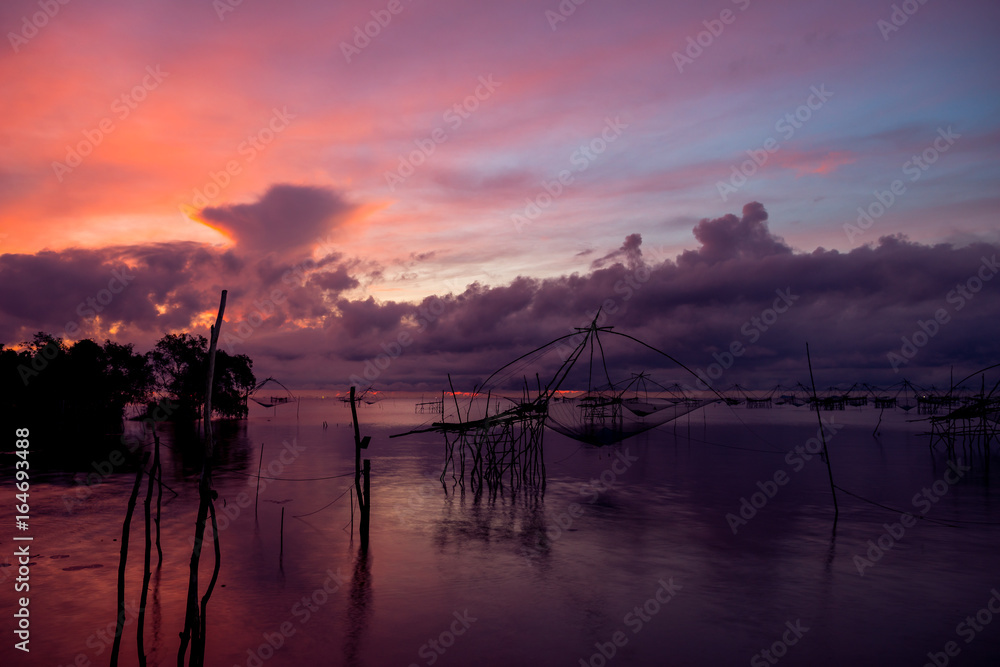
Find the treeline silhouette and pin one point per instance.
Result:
(75, 398)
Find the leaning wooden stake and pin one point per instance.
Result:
(147, 573)
(194, 621)
(123, 559)
(257, 494)
(822, 434)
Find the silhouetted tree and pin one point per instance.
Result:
(180, 363)
(69, 395)
(72, 395)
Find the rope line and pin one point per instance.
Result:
(948, 523)
(286, 479)
(299, 516)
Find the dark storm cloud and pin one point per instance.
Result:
(338, 281)
(742, 286)
(855, 309)
(65, 293)
(629, 250)
(363, 318)
(286, 219)
(730, 237)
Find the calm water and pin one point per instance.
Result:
(646, 558)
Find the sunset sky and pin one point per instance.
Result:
(512, 166)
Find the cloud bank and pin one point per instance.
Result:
(297, 303)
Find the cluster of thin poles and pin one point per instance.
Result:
(195, 618)
(973, 427)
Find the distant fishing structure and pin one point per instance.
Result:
(903, 395)
(368, 397)
(507, 443)
(973, 426)
(274, 400)
(432, 406)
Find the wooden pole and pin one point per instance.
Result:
(362, 493)
(194, 620)
(146, 571)
(210, 381)
(822, 434)
(122, 560)
(257, 494)
(158, 471)
(357, 447)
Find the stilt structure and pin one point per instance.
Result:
(504, 447)
(973, 428)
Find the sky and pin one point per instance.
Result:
(392, 191)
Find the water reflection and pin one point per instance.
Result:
(548, 577)
(359, 608)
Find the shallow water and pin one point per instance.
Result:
(629, 543)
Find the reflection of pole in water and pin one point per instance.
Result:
(154, 648)
(358, 608)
